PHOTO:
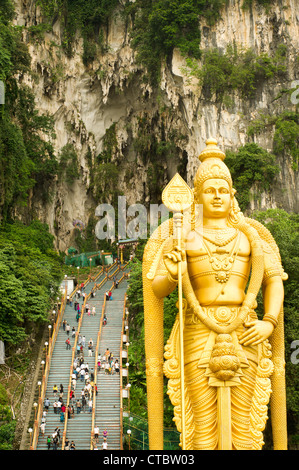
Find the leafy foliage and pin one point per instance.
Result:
(68, 164)
(169, 24)
(155, 145)
(85, 16)
(159, 26)
(7, 431)
(264, 3)
(251, 165)
(30, 274)
(222, 72)
(105, 180)
(286, 136)
(109, 145)
(86, 240)
(38, 132)
(26, 159)
(105, 172)
(286, 132)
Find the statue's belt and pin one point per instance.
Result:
(222, 315)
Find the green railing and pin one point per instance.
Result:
(137, 438)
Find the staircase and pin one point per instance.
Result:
(107, 412)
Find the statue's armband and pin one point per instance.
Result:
(271, 264)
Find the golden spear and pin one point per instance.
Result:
(178, 197)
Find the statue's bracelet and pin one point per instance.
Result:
(170, 278)
(270, 318)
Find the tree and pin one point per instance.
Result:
(251, 165)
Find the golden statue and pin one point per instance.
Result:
(226, 361)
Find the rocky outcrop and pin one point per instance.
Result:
(87, 100)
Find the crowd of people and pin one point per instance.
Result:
(59, 408)
(107, 363)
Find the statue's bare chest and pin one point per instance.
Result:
(218, 252)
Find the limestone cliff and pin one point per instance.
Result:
(87, 100)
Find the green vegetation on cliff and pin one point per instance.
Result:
(30, 273)
(158, 27)
(85, 16)
(162, 25)
(286, 133)
(220, 73)
(251, 166)
(26, 153)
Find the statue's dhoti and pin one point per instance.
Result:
(201, 387)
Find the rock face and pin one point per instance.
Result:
(87, 100)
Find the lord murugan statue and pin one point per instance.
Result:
(224, 364)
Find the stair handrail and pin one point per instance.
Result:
(109, 268)
(124, 265)
(105, 279)
(110, 276)
(99, 273)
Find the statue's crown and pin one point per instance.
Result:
(212, 166)
(211, 151)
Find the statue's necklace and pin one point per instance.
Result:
(222, 267)
(220, 236)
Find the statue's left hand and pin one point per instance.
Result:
(258, 331)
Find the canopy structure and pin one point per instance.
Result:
(84, 259)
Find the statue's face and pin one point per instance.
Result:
(215, 196)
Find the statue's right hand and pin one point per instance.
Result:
(171, 260)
